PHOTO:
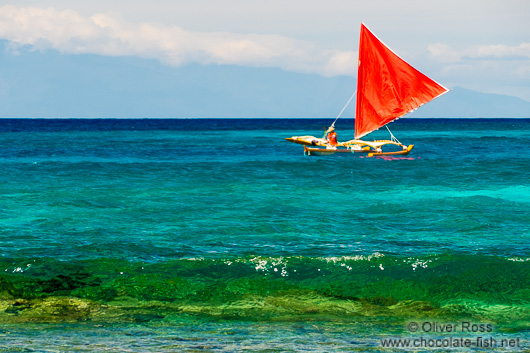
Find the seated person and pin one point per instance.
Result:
(331, 136)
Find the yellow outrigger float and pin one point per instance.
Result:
(387, 88)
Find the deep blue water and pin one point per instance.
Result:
(148, 222)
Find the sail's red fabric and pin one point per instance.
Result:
(387, 87)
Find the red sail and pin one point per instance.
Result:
(387, 87)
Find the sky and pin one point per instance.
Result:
(481, 45)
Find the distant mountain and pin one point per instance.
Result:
(464, 103)
(50, 84)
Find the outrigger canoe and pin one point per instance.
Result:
(387, 89)
(320, 146)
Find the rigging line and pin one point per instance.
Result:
(343, 109)
(392, 137)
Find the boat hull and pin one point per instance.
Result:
(313, 151)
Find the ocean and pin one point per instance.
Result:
(217, 235)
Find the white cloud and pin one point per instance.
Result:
(104, 34)
(504, 51)
(498, 68)
(482, 62)
(443, 52)
(342, 63)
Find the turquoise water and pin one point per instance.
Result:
(218, 235)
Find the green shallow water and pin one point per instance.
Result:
(217, 235)
(259, 288)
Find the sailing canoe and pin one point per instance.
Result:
(387, 89)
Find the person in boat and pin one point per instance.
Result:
(331, 136)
